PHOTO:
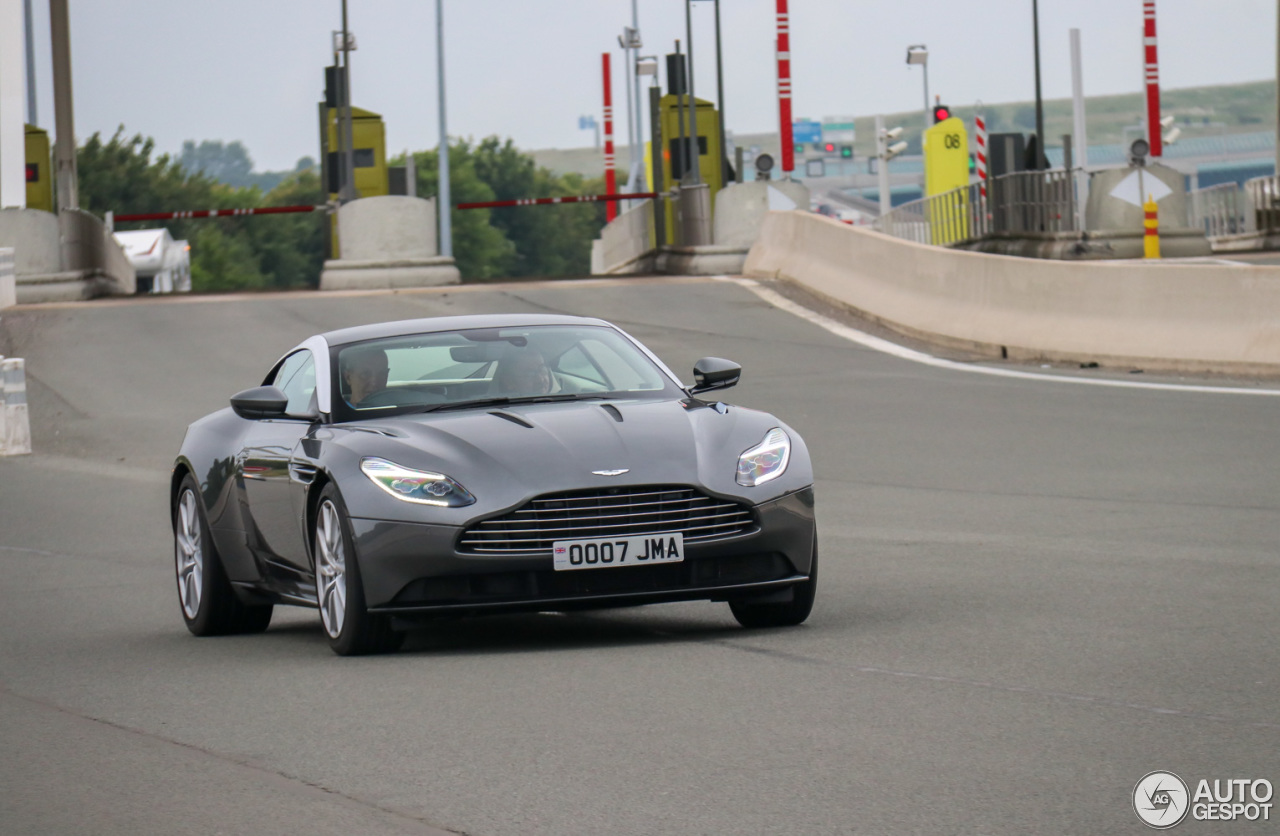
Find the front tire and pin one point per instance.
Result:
(208, 604)
(787, 614)
(351, 629)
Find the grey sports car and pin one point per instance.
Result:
(395, 473)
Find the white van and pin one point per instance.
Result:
(163, 265)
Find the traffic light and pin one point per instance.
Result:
(941, 113)
(973, 164)
(830, 148)
(800, 148)
(846, 151)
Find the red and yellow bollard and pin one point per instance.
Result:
(1151, 235)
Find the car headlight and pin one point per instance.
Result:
(419, 486)
(767, 460)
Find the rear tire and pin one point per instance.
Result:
(787, 614)
(351, 629)
(208, 604)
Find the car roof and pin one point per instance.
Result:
(407, 327)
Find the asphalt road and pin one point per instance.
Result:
(1032, 594)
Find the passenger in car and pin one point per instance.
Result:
(364, 371)
(523, 372)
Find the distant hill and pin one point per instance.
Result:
(1200, 111)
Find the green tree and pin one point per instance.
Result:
(223, 261)
(480, 250)
(289, 248)
(549, 240)
(229, 163)
(120, 175)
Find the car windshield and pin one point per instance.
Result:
(481, 367)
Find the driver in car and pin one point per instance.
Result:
(364, 371)
(523, 372)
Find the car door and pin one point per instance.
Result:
(275, 474)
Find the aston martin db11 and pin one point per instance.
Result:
(396, 473)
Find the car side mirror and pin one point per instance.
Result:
(260, 402)
(714, 373)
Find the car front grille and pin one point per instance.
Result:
(618, 512)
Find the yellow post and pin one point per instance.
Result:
(1151, 233)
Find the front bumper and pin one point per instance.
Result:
(411, 568)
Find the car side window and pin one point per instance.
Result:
(297, 379)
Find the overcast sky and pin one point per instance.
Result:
(252, 70)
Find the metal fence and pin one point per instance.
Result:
(1228, 209)
(1219, 210)
(1262, 203)
(1018, 203)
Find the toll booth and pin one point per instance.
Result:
(369, 139)
(39, 169)
(946, 167)
(674, 165)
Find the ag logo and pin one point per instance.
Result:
(1161, 800)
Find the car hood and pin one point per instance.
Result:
(506, 455)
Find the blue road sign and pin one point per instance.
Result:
(806, 131)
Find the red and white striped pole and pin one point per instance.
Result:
(1152, 75)
(980, 151)
(610, 174)
(784, 88)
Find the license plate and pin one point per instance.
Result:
(611, 552)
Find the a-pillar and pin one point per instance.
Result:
(13, 75)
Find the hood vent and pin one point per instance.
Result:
(613, 411)
(512, 417)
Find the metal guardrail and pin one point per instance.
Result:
(1219, 210)
(1228, 209)
(1018, 203)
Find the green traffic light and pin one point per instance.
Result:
(846, 151)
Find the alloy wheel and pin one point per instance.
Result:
(331, 569)
(189, 554)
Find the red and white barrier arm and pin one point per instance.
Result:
(551, 201)
(218, 213)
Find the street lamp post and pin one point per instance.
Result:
(444, 204)
(694, 150)
(724, 154)
(348, 191)
(919, 54)
(1038, 163)
(635, 75)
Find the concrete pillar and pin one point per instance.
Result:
(13, 142)
(64, 148)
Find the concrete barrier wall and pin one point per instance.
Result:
(35, 238)
(1193, 317)
(88, 247)
(626, 239)
(742, 207)
(8, 279)
(387, 228)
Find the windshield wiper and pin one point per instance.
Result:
(508, 401)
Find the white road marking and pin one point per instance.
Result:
(877, 344)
